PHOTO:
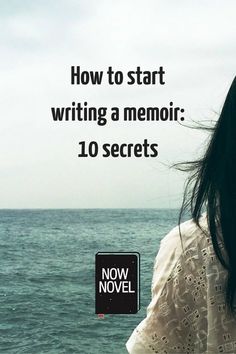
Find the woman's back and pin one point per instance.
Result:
(187, 313)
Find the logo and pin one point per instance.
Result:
(117, 283)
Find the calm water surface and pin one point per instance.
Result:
(47, 276)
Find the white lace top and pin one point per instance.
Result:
(187, 313)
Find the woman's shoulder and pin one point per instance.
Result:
(190, 233)
(171, 257)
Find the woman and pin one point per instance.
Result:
(194, 281)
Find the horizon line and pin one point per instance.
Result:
(87, 208)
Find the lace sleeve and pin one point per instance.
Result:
(172, 315)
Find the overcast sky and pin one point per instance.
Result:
(193, 40)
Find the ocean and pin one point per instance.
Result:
(47, 293)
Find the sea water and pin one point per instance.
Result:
(47, 269)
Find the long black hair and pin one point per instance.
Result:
(212, 187)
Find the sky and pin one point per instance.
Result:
(40, 41)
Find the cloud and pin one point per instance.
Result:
(41, 40)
